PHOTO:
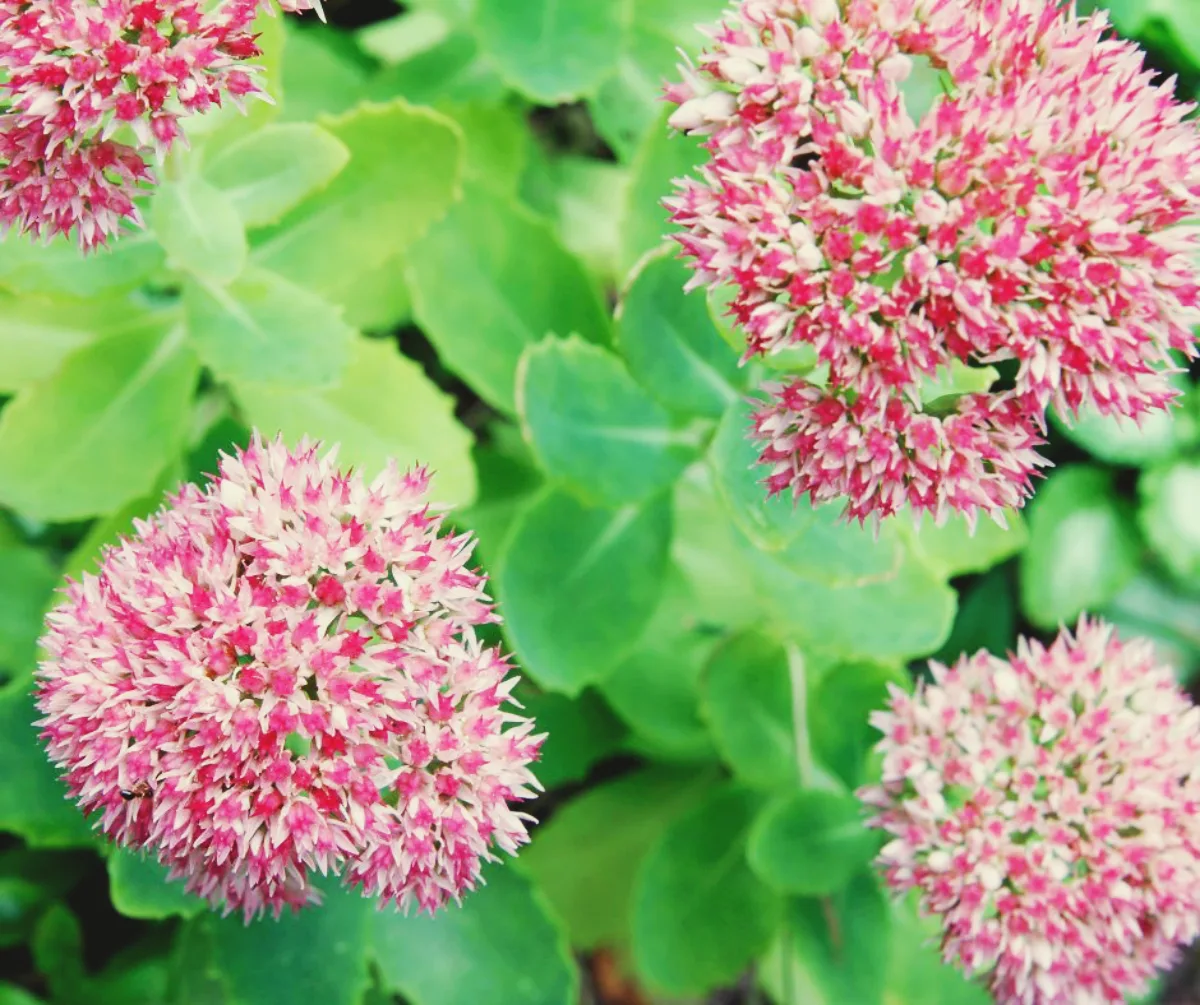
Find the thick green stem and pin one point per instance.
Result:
(805, 769)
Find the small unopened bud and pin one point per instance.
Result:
(688, 116)
(738, 70)
(821, 12)
(854, 119)
(808, 43)
(930, 209)
(896, 68)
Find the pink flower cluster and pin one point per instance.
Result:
(280, 674)
(95, 88)
(1048, 809)
(1037, 215)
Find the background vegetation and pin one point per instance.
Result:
(442, 243)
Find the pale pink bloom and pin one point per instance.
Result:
(1036, 213)
(280, 675)
(1047, 809)
(109, 75)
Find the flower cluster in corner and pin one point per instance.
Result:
(1047, 808)
(1036, 215)
(280, 674)
(95, 89)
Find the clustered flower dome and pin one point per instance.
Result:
(280, 675)
(1036, 213)
(94, 89)
(1048, 809)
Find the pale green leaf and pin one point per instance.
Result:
(383, 408)
(97, 432)
(199, 228)
(269, 171)
(404, 170)
(264, 329)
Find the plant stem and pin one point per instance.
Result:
(804, 757)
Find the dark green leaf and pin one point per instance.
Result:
(523, 285)
(811, 842)
(592, 427)
(837, 715)
(699, 914)
(1082, 546)
(578, 585)
(986, 618)
(501, 945)
(581, 731)
(837, 947)
(57, 948)
(552, 51)
(671, 344)
(586, 857)
(139, 888)
(27, 580)
(33, 802)
(916, 973)
(748, 704)
(319, 954)
(657, 689)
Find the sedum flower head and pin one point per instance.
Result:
(280, 675)
(1034, 215)
(1048, 809)
(94, 89)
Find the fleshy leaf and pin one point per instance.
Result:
(593, 427)
(552, 51)
(269, 171)
(578, 585)
(502, 944)
(376, 206)
(1082, 549)
(811, 842)
(699, 913)
(383, 408)
(96, 433)
(199, 227)
(672, 346)
(586, 858)
(522, 285)
(262, 328)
